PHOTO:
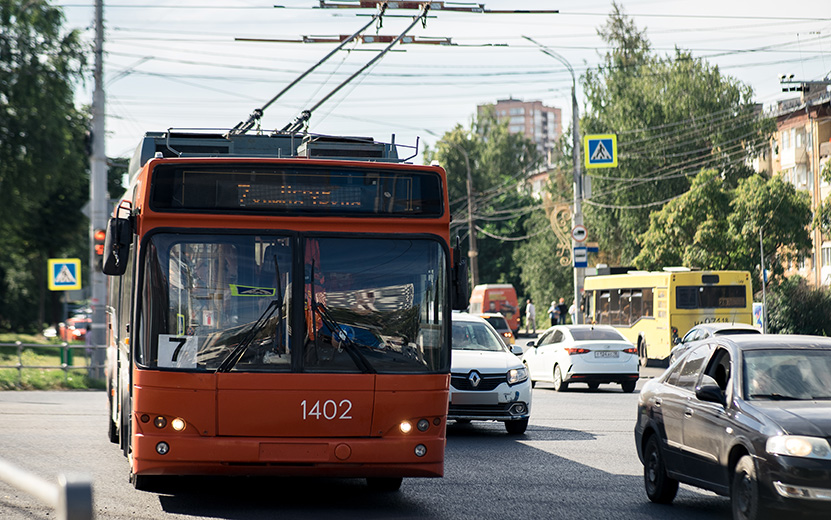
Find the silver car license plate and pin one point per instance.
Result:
(605, 353)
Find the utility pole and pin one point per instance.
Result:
(98, 201)
(764, 283)
(577, 213)
(472, 252)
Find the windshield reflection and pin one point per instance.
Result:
(787, 374)
(216, 301)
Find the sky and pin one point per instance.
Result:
(180, 63)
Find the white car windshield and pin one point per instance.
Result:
(471, 335)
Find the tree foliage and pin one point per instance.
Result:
(43, 179)
(715, 227)
(673, 115)
(794, 307)
(499, 162)
(822, 217)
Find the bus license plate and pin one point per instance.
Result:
(605, 353)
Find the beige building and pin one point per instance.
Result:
(537, 122)
(799, 149)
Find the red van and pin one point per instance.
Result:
(499, 298)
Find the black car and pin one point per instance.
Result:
(745, 416)
(708, 330)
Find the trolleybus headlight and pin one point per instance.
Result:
(162, 448)
(422, 425)
(145, 418)
(405, 426)
(420, 450)
(160, 422)
(178, 424)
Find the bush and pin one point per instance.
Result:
(794, 307)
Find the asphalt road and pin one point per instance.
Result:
(577, 460)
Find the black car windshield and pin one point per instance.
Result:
(497, 322)
(471, 335)
(787, 374)
(596, 334)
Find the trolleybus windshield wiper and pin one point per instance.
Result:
(337, 331)
(277, 303)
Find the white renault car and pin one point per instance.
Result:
(487, 379)
(591, 354)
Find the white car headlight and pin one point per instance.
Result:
(799, 446)
(517, 375)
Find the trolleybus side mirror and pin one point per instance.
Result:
(460, 286)
(117, 246)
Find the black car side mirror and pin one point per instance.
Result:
(710, 394)
(531, 344)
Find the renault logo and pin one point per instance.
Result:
(474, 378)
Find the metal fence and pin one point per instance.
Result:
(67, 356)
(71, 497)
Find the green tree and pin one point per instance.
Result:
(499, 162)
(712, 226)
(544, 276)
(822, 218)
(673, 115)
(796, 308)
(43, 179)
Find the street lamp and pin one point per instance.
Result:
(577, 214)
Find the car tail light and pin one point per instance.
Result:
(508, 335)
(573, 350)
(632, 350)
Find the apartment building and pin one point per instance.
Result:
(540, 123)
(799, 149)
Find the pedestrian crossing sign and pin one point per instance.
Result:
(64, 274)
(600, 151)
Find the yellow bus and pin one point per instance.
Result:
(654, 309)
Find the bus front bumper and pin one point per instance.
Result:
(350, 457)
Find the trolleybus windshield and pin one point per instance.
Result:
(370, 304)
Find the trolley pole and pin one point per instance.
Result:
(98, 200)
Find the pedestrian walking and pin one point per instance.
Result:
(553, 313)
(563, 309)
(573, 311)
(530, 316)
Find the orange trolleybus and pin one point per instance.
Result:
(280, 305)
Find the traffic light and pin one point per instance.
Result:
(98, 237)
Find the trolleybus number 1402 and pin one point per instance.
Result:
(328, 410)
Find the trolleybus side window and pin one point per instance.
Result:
(710, 297)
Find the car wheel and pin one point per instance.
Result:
(593, 386)
(744, 491)
(643, 359)
(384, 484)
(660, 488)
(112, 429)
(628, 386)
(527, 371)
(516, 427)
(559, 384)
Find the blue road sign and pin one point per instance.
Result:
(581, 257)
(600, 151)
(64, 274)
